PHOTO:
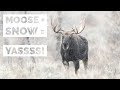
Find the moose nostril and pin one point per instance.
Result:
(65, 46)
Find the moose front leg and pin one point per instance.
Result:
(66, 64)
(76, 65)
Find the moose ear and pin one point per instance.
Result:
(71, 35)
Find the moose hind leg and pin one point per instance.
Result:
(76, 64)
(85, 62)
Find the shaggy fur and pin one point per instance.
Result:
(74, 48)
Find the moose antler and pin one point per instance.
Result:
(76, 31)
(80, 31)
(55, 28)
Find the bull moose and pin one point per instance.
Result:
(74, 47)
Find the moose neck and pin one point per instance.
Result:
(74, 42)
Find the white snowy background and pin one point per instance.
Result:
(102, 32)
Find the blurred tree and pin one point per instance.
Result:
(58, 37)
(28, 42)
(116, 17)
(114, 33)
(1, 22)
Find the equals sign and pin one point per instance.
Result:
(42, 31)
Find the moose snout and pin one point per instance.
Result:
(65, 46)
